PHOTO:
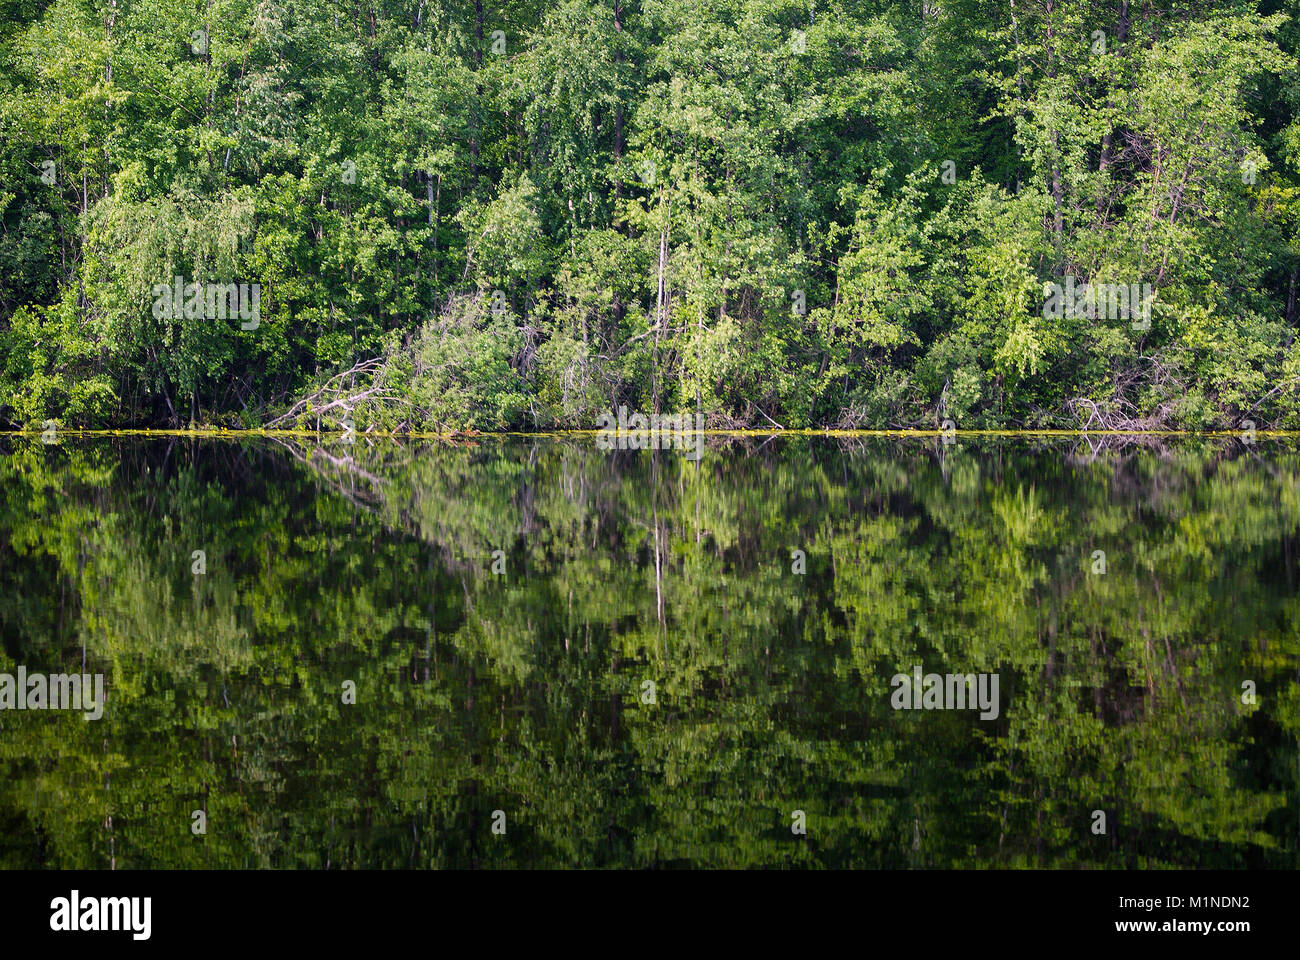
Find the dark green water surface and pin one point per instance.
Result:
(631, 576)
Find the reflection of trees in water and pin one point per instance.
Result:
(521, 692)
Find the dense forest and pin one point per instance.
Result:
(462, 215)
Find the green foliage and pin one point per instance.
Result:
(653, 185)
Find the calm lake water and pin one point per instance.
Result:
(320, 648)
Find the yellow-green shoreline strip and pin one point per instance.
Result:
(477, 435)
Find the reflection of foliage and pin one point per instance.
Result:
(520, 692)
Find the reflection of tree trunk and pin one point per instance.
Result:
(1050, 668)
(1288, 553)
(344, 468)
(431, 635)
(473, 826)
(1146, 663)
(112, 845)
(659, 571)
(81, 570)
(1101, 680)
(1038, 840)
(614, 702)
(1011, 785)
